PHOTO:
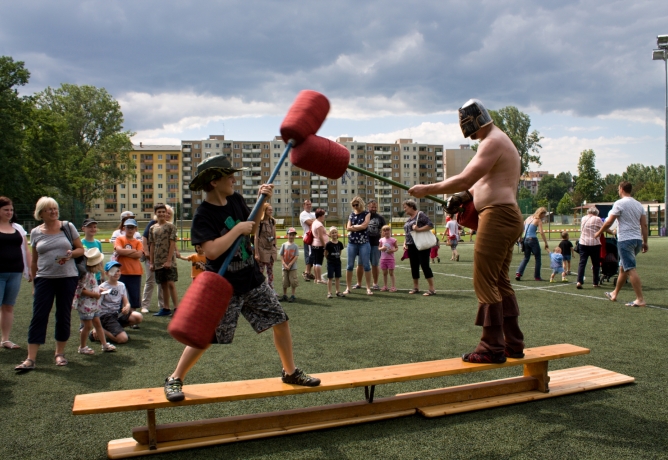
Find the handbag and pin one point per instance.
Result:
(80, 261)
(308, 238)
(520, 242)
(424, 240)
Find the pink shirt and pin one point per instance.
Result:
(319, 242)
(389, 243)
(590, 225)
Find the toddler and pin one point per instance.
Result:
(388, 246)
(566, 251)
(198, 261)
(333, 250)
(557, 264)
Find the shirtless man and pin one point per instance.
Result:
(492, 176)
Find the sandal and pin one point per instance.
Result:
(384, 289)
(393, 289)
(368, 292)
(429, 293)
(108, 347)
(346, 292)
(86, 351)
(26, 367)
(338, 294)
(357, 286)
(329, 296)
(60, 359)
(414, 291)
(9, 345)
(609, 296)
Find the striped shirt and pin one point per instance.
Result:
(590, 225)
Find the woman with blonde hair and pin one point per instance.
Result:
(55, 245)
(532, 226)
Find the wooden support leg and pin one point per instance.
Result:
(539, 372)
(152, 437)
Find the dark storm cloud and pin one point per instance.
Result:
(588, 57)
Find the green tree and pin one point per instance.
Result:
(566, 205)
(551, 189)
(589, 185)
(91, 140)
(651, 191)
(610, 187)
(14, 114)
(650, 177)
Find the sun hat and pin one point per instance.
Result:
(93, 257)
(210, 169)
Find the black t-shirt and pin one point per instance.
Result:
(376, 223)
(566, 247)
(148, 228)
(211, 222)
(11, 257)
(334, 251)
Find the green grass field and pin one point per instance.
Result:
(628, 422)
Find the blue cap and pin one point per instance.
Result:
(112, 263)
(131, 222)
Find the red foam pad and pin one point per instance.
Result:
(200, 310)
(305, 116)
(321, 156)
(468, 216)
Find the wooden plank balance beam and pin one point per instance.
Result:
(535, 383)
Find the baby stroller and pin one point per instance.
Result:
(610, 262)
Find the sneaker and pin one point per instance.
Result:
(174, 389)
(438, 259)
(518, 277)
(299, 378)
(283, 298)
(375, 287)
(484, 358)
(552, 281)
(292, 299)
(538, 279)
(513, 354)
(163, 312)
(145, 310)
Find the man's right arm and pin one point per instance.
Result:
(645, 232)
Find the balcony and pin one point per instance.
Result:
(147, 160)
(186, 150)
(173, 162)
(186, 186)
(187, 196)
(187, 159)
(324, 187)
(187, 168)
(187, 178)
(256, 169)
(187, 205)
(249, 195)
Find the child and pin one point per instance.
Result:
(433, 253)
(566, 251)
(557, 264)
(129, 251)
(388, 246)
(89, 228)
(453, 237)
(219, 221)
(115, 308)
(162, 248)
(198, 261)
(86, 301)
(333, 250)
(289, 254)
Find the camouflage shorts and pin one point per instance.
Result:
(259, 306)
(164, 275)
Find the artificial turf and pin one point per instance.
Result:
(363, 331)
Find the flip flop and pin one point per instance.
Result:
(414, 291)
(609, 296)
(633, 304)
(429, 293)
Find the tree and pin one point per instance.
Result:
(566, 205)
(91, 140)
(551, 189)
(14, 111)
(610, 187)
(589, 185)
(643, 177)
(516, 125)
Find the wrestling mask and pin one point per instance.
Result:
(473, 116)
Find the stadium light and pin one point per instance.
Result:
(662, 55)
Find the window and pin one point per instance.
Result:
(134, 157)
(159, 195)
(217, 146)
(344, 200)
(198, 155)
(159, 176)
(134, 185)
(159, 185)
(396, 174)
(122, 195)
(160, 166)
(277, 155)
(97, 206)
(236, 146)
(134, 205)
(333, 200)
(134, 195)
(196, 146)
(265, 173)
(334, 209)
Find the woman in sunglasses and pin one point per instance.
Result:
(358, 244)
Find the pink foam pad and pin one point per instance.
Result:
(200, 310)
(321, 156)
(305, 117)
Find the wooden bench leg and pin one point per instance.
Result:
(152, 437)
(368, 393)
(539, 372)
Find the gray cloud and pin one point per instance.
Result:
(588, 57)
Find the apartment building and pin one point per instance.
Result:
(531, 180)
(158, 180)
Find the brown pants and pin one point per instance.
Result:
(499, 227)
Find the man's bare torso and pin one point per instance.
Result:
(499, 185)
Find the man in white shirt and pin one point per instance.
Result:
(631, 239)
(306, 218)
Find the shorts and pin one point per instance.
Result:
(453, 243)
(86, 316)
(387, 264)
(317, 255)
(164, 275)
(374, 256)
(567, 258)
(10, 285)
(259, 306)
(308, 254)
(133, 287)
(290, 279)
(333, 270)
(627, 253)
(556, 271)
(114, 323)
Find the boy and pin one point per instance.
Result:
(130, 251)
(453, 228)
(289, 254)
(162, 249)
(115, 311)
(333, 250)
(566, 251)
(217, 224)
(198, 261)
(557, 264)
(89, 228)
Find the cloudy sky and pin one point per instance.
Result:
(186, 69)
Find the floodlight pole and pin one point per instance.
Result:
(662, 54)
